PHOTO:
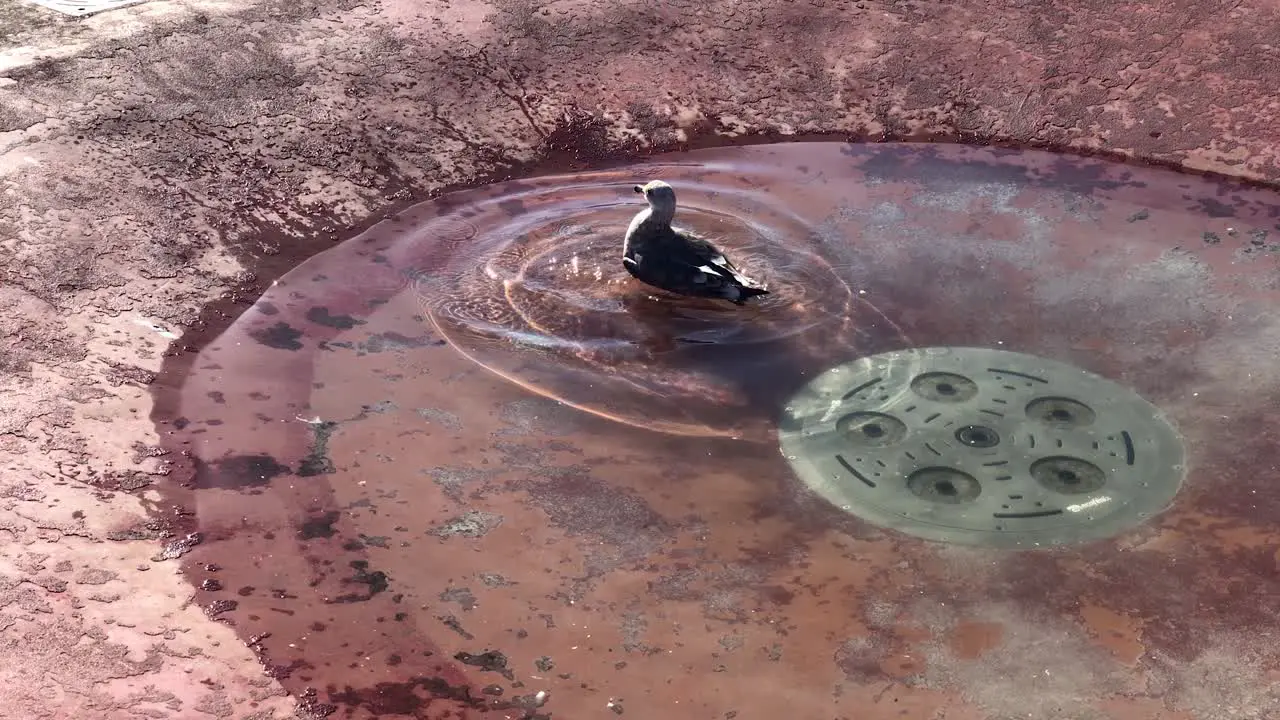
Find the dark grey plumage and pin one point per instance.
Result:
(674, 260)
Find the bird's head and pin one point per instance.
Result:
(658, 193)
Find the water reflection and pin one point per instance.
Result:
(540, 297)
(406, 519)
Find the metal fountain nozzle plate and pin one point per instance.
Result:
(982, 447)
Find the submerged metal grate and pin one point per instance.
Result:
(982, 447)
(81, 9)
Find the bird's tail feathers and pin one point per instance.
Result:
(741, 293)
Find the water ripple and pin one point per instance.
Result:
(534, 290)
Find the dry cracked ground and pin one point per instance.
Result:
(159, 158)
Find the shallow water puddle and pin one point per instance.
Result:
(464, 458)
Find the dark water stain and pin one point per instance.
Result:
(378, 541)
(322, 316)
(414, 697)
(514, 208)
(1215, 208)
(375, 581)
(939, 170)
(317, 460)
(240, 471)
(453, 623)
(462, 596)
(280, 336)
(320, 526)
(490, 661)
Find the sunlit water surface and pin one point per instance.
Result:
(529, 284)
(469, 429)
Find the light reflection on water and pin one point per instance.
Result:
(540, 297)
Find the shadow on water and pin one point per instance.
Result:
(463, 458)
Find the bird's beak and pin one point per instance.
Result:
(639, 189)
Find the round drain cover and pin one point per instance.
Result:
(982, 447)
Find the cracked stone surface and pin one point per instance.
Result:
(159, 158)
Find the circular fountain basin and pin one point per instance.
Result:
(463, 458)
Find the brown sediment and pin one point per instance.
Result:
(1117, 632)
(970, 640)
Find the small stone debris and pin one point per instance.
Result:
(531, 702)
(310, 707)
(494, 580)
(1258, 243)
(177, 548)
(218, 607)
(473, 524)
(452, 622)
(489, 660)
(460, 595)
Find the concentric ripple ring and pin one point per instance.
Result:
(539, 296)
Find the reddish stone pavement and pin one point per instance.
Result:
(160, 158)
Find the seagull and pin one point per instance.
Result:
(676, 260)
